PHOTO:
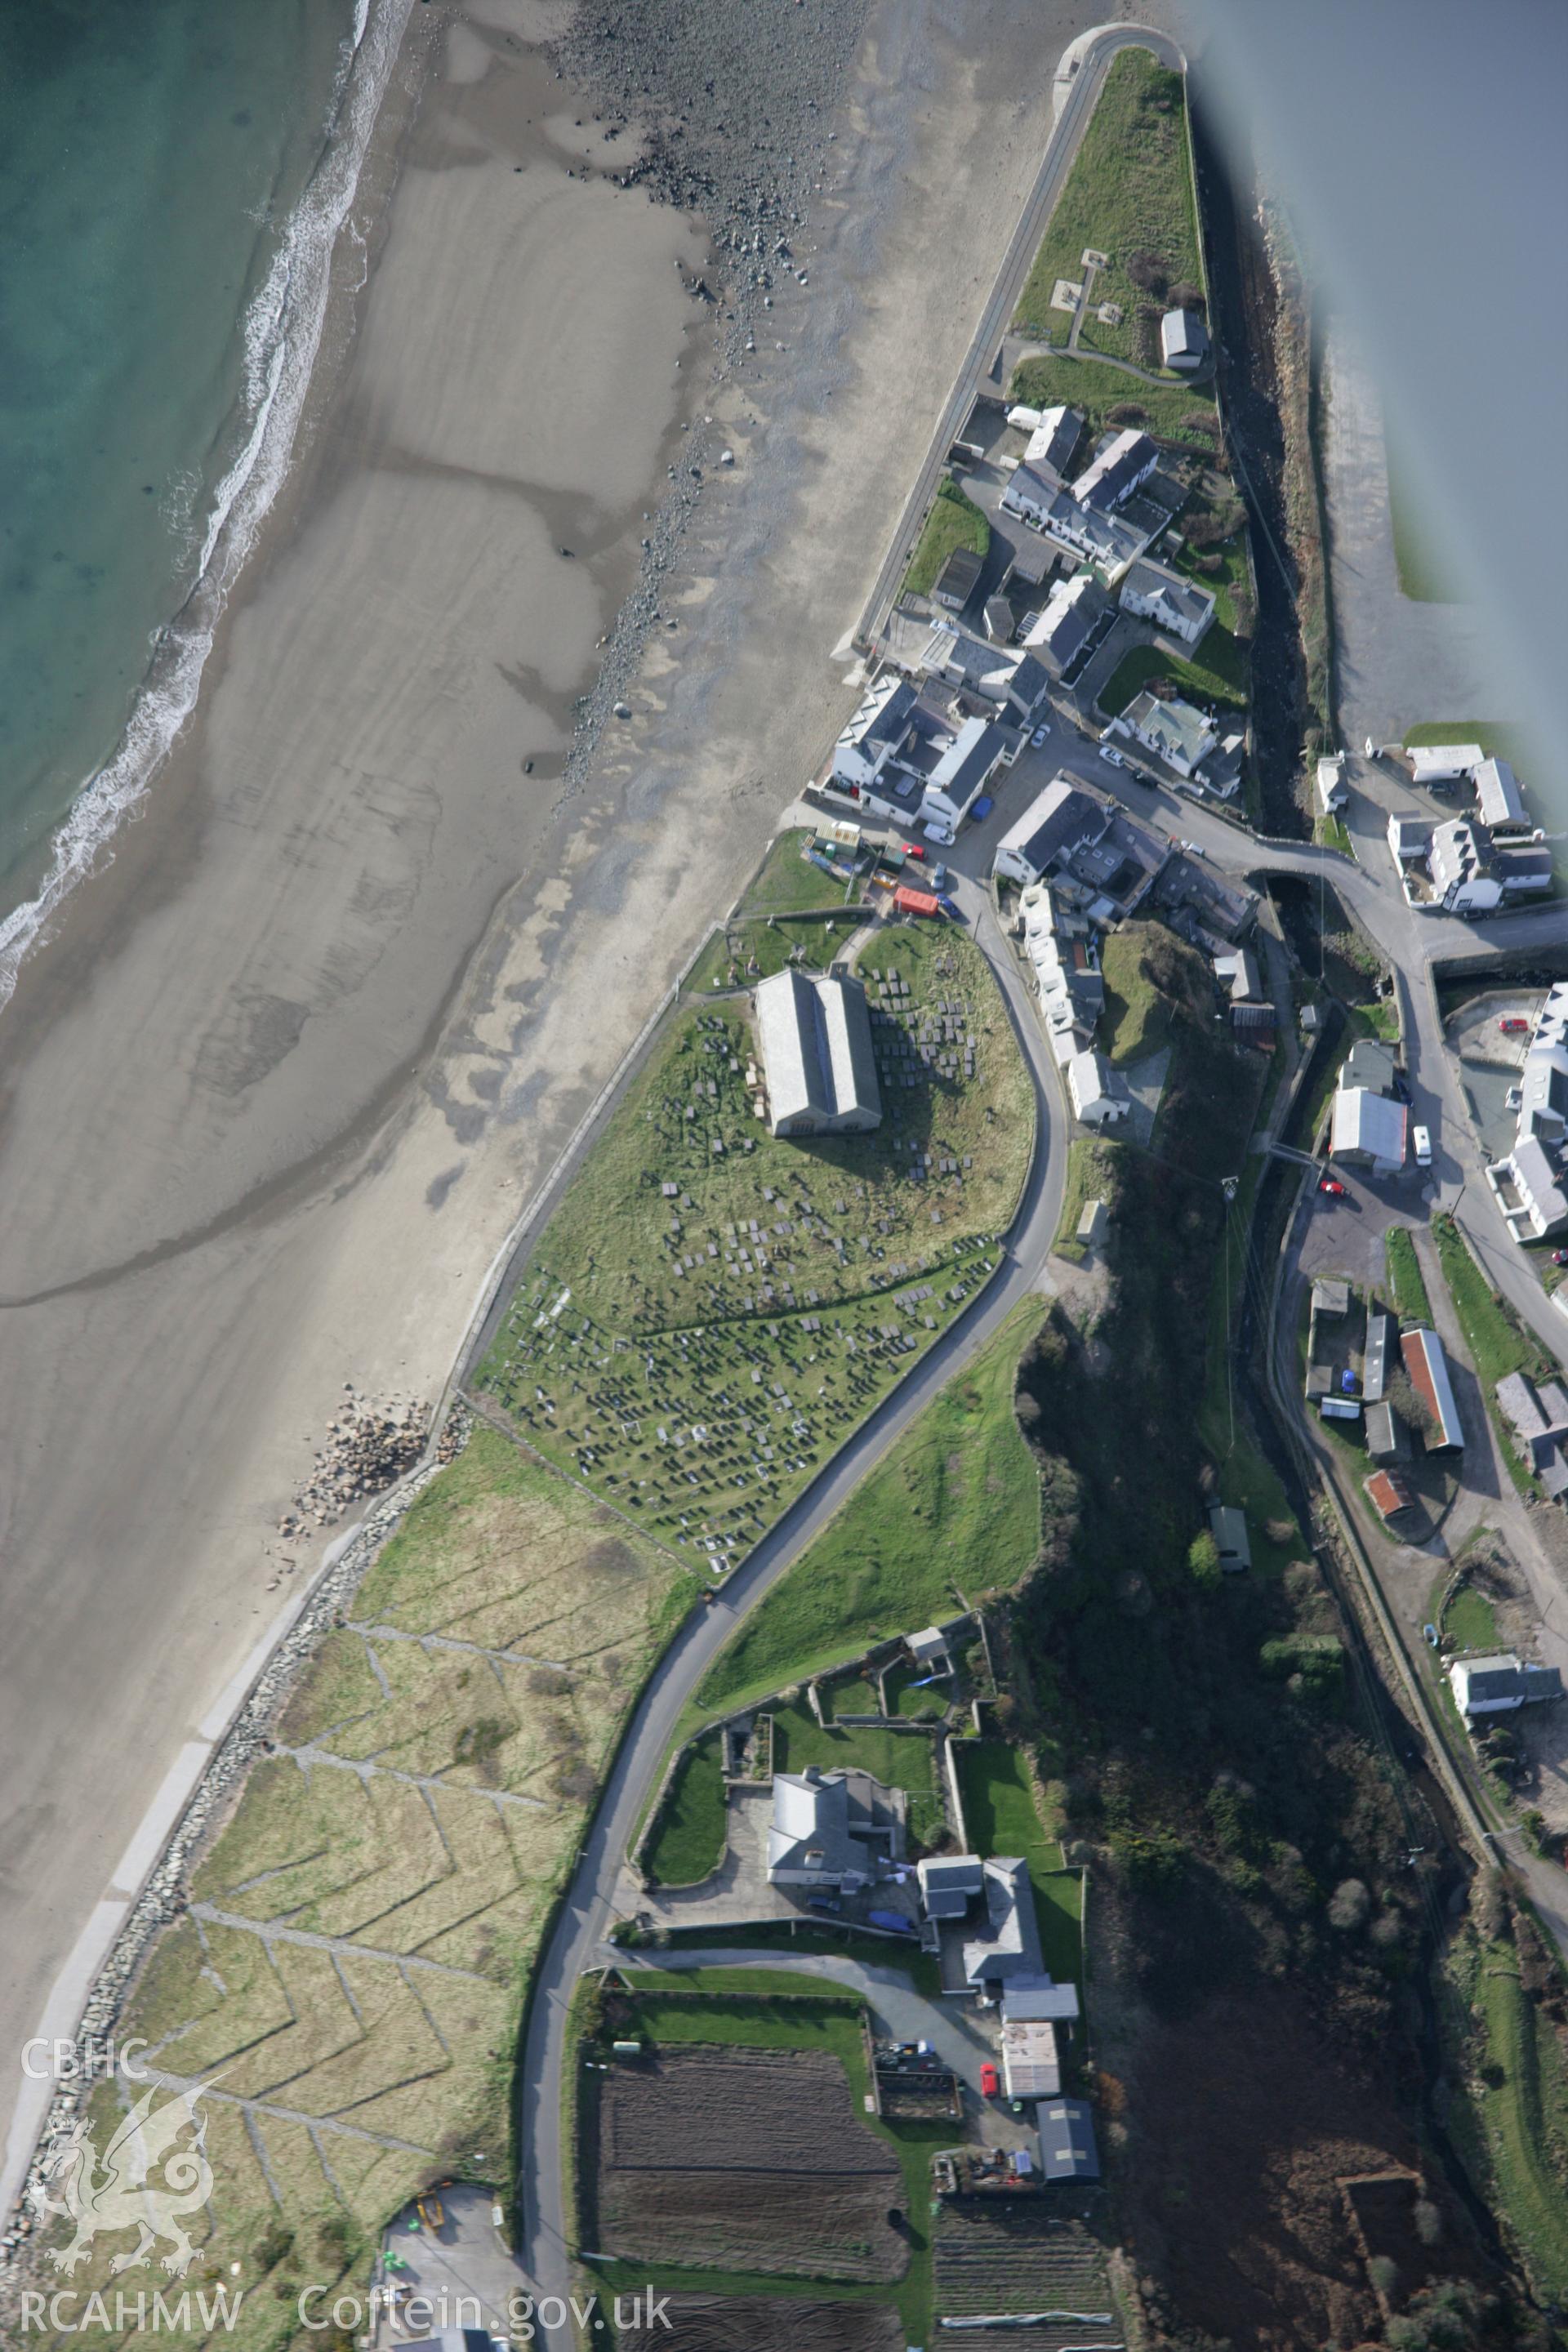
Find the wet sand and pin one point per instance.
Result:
(279, 1090)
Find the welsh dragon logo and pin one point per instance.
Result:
(123, 2191)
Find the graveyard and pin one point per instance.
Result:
(712, 1309)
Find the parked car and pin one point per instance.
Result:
(1332, 1185)
(940, 833)
(1192, 849)
(982, 809)
(1512, 1024)
(1039, 735)
(1107, 751)
(1560, 1257)
(1421, 1137)
(911, 848)
(990, 2081)
(939, 878)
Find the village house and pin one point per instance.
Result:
(1067, 622)
(834, 1830)
(1539, 1418)
(1101, 1095)
(1180, 607)
(1174, 730)
(1501, 1682)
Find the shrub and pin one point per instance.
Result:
(1147, 270)
(1128, 412)
(1203, 1560)
(1186, 297)
(1349, 1905)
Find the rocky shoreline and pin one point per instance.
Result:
(733, 108)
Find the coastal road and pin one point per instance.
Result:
(1094, 55)
(586, 1913)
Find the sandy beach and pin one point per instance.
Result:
(277, 1090)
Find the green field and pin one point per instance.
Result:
(1219, 671)
(1107, 398)
(1470, 1620)
(353, 1961)
(691, 1841)
(742, 954)
(712, 1310)
(1404, 1276)
(1129, 195)
(953, 522)
(1514, 2114)
(1138, 1017)
(951, 1512)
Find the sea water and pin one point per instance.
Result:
(174, 177)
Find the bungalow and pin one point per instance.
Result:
(1184, 341)
(1100, 1094)
(1443, 763)
(1428, 1368)
(1174, 730)
(1152, 593)
(1499, 1683)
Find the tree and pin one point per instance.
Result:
(1203, 1559)
(1349, 1905)
(1412, 1408)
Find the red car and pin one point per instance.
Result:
(1560, 1257)
(1511, 1024)
(990, 2082)
(912, 848)
(1332, 1185)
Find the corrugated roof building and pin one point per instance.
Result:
(1428, 1368)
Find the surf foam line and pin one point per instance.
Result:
(282, 328)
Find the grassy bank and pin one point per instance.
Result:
(1405, 1280)
(691, 1840)
(1106, 399)
(1512, 2119)
(1092, 1176)
(1138, 1014)
(355, 1953)
(951, 1512)
(954, 521)
(1498, 1343)
(1129, 195)
(1499, 739)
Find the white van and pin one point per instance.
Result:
(1421, 1137)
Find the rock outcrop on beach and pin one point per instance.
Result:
(734, 101)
